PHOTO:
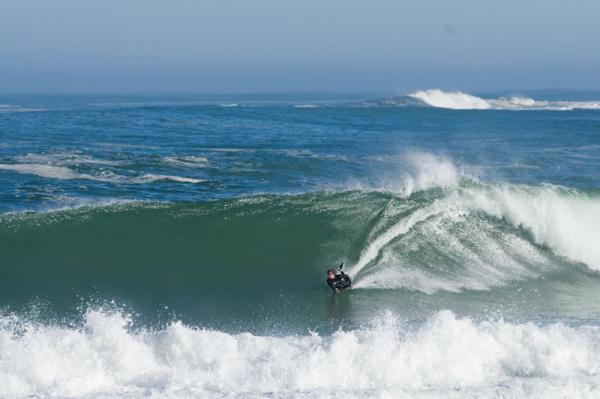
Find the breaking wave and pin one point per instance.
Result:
(466, 236)
(459, 100)
(445, 356)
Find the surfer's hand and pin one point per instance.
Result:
(337, 290)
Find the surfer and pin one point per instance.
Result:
(339, 281)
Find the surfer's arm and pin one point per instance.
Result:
(333, 287)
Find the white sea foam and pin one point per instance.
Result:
(444, 357)
(189, 161)
(65, 173)
(48, 171)
(459, 100)
(65, 159)
(149, 178)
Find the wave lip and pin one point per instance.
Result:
(445, 354)
(462, 101)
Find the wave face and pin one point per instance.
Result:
(459, 100)
(445, 356)
(460, 238)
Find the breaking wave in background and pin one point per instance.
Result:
(459, 100)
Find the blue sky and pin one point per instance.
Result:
(311, 45)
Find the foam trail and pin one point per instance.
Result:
(64, 159)
(445, 354)
(402, 227)
(187, 161)
(48, 171)
(65, 173)
(459, 100)
(149, 178)
(424, 171)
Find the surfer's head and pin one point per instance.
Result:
(330, 274)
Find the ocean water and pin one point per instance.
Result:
(176, 245)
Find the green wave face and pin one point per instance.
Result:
(233, 262)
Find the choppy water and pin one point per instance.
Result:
(175, 245)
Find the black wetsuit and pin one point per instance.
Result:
(340, 282)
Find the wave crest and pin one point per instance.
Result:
(463, 101)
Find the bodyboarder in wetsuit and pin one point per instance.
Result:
(339, 281)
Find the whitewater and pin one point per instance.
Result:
(460, 100)
(445, 356)
(177, 248)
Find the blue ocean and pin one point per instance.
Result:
(175, 245)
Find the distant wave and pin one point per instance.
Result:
(459, 100)
(447, 356)
(6, 108)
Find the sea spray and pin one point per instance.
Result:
(106, 356)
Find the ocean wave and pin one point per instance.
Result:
(463, 101)
(446, 356)
(437, 228)
(413, 249)
(306, 106)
